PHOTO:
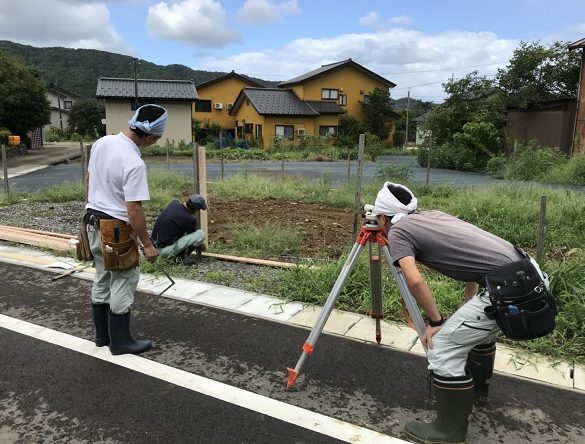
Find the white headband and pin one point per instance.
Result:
(156, 128)
(387, 204)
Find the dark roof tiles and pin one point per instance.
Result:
(275, 101)
(113, 88)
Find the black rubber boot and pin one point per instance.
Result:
(100, 323)
(186, 256)
(454, 405)
(480, 363)
(121, 341)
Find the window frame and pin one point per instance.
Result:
(201, 102)
(326, 93)
(284, 130)
(342, 100)
(327, 131)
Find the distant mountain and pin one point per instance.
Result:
(402, 103)
(77, 70)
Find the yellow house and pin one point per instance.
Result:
(346, 83)
(263, 114)
(216, 98)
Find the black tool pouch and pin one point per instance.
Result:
(521, 304)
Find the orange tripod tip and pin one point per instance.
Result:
(292, 377)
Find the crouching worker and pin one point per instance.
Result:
(461, 349)
(117, 186)
(176, 230)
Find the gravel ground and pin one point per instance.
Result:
(63, 217)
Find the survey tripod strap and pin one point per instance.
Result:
(366, 235)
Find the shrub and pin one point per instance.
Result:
(498, 167)
(534, 162)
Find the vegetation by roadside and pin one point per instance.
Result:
(510, 211)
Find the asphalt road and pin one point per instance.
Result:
(50, 393)
(337, 172)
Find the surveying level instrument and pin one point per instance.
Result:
(370, 233)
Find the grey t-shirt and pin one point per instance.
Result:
(449, 245)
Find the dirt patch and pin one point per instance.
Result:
(327, 231)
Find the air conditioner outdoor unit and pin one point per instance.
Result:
(229, 105)
(301, 131)
(218, 105)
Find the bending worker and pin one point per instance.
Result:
(117, 186)
(461, 349)
(176, 230)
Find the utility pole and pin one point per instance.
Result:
(406, 131)
(135, 84)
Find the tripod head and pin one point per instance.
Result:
(371, 221)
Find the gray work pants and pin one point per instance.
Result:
(112, 287)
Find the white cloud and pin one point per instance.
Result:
(406, 57)
(198, 22)
(400, 20)
(265, 11)
(56, 23)
(371, 18)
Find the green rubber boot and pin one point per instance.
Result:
(454, 405)
(480, 363)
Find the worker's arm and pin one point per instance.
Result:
(138, 222)
(422, 293)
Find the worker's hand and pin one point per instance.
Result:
(150, 253)
(429, 333)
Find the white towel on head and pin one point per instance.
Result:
(387, 204)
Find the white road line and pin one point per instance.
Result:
(276, 409)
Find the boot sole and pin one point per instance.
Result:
(129, 352)
(429, 441)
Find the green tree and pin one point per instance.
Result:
(537, 72)
(23, 97)
(86, 116)
(379, 116)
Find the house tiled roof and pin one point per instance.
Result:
(113, 88)
(227, 76)
(274, 101)
(323, 107)
(577, 44)
(333, 66)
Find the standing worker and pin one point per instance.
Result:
(117, 186)
(461, 349)
(176, 230)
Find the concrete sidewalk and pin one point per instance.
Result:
(51, 154)
(349, 325)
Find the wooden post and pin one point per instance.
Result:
(348, 164)
(282, 156)
(195, 169)
(5, 169)
(83, 170)
(541, 223)
(168, 158)
(358, 191)
(202, 176)
(429, 162)
(221, 153)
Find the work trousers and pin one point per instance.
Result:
(468, 327)
(112, 287)
(189, 240)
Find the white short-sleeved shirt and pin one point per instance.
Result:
(117, 174)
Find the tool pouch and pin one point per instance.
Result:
(521, 304)
(119, 248)
(82, 248)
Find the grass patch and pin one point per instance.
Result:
(262, 241)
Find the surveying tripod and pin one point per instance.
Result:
(370, 233)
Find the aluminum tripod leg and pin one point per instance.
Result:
(325, 313)
(407, 297)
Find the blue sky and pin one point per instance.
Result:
(417, 44)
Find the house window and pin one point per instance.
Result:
(258, 131)
(202, 106)
(343, 99)
(248, 128)
(327, 130)
(67, 104)
(329, 94)
(285, 131)
(239, 131)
